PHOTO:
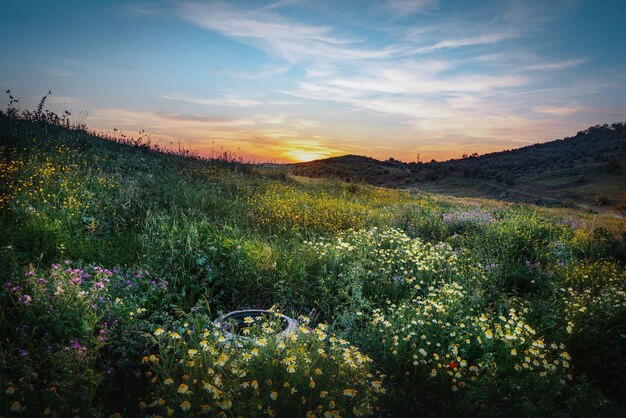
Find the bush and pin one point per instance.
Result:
(71, 331)
(308, 373)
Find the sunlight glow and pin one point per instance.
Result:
(303, 155)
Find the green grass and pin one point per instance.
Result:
(449, 306)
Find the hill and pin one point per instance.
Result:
(117, 262)
(588, 168)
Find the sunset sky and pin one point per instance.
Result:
(298, 80)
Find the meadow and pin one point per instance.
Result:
(116, 258)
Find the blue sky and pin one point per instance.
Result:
(296, 80)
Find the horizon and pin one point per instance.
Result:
(288, 81)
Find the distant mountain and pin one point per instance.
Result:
(588, 168)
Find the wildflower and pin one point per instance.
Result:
(274, 395)
(312, 384)
(16, 406)
(248, 320)
(159, 331)
(183, 388)
(168, 381)
(25, 299)
(227, 404)
(350, 393)
(185, 405)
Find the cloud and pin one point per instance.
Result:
(260, 137)
(58, 72)
(288, 39)
(558, 110)
(164, 123)
(224, 101)
(456, 75)
(558, 65)
(568, 110)
(489, 38)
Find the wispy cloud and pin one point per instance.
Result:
(281, 36)
(557, 65)
(58, 72)
(223, 101)
(488, 38)
(259, 137)
(558, 110)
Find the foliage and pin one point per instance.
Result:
(201, 369)
(466, 307)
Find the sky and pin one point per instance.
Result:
(294, 80)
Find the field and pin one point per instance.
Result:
(586, 171)
(116, 259)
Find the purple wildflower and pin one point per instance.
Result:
(25, 299)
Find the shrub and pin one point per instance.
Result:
(198, 369)
(362, 269)
(453, 359)
(71, 331)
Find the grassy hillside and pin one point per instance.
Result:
(115, 259)
(588, 168)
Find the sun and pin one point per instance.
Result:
(302, 156)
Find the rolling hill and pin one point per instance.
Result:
(586, 169)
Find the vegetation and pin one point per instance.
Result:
(588, 168)
(116, 259)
